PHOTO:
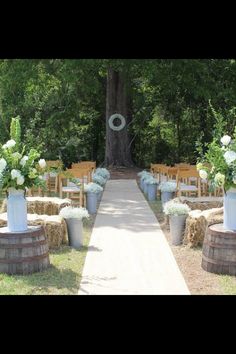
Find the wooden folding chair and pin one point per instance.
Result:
(188, 182)
(70, 188)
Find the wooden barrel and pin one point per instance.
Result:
(23, 252)
(219, 250)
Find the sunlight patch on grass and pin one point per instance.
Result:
(228, 284)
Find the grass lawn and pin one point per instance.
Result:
(189, 259)
(62, 278)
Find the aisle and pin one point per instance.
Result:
(128, 252)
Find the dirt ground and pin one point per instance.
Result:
(189, 260)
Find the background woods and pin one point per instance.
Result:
(63, 105)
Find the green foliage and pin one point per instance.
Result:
(15, 131)
(17, 169)
(60, 99)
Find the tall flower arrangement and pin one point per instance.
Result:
(218, 165)
(19, 168)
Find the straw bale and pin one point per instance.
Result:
(54, 226)
(197, 223)
(42, 205)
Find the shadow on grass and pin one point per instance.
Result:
(54, 278)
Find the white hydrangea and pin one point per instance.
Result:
(15, 174)
(225, 140)
(3, 164)
(230, 156)
(9, 144)
(42, 163)
(23, 160)
(20, 180)
(219, 179)
(203, 174)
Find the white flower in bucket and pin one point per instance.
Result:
(99, 179)
(176, 208)
(92, 188)
(168, 187)
(103, 172)
(74, 213)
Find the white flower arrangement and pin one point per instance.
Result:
(218, 164)
(103, 172)
(92, 188)
(74, 213)
(17, 170)
(146, 176)
(142, 173)
(151, 180)
(175, 208)
(99, 179)
(168, 187)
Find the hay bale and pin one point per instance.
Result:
(42, 205)
(202, 203)
(54, 226)
(197, 223)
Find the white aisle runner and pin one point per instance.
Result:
(128, 252)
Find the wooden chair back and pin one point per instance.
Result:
(186, 177)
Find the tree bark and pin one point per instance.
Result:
(118, 151)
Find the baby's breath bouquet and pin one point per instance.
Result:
(218, 165)
(19, 168)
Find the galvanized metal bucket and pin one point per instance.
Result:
(75, 232)
(177, 227)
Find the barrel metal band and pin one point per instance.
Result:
(219, 263)
(23, 245)
(25, 259)
(220, 245)
(33, 233)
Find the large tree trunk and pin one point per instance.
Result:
(117, 142)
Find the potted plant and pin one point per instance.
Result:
(151, 188)
(144, 179)
(19, 170)
(93, 196)
(99, 180)
(167, 191)
(103, 172)
(178, 213)
(74, 218)
(218, 166)
(142, 174)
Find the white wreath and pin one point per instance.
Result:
(122, 120)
